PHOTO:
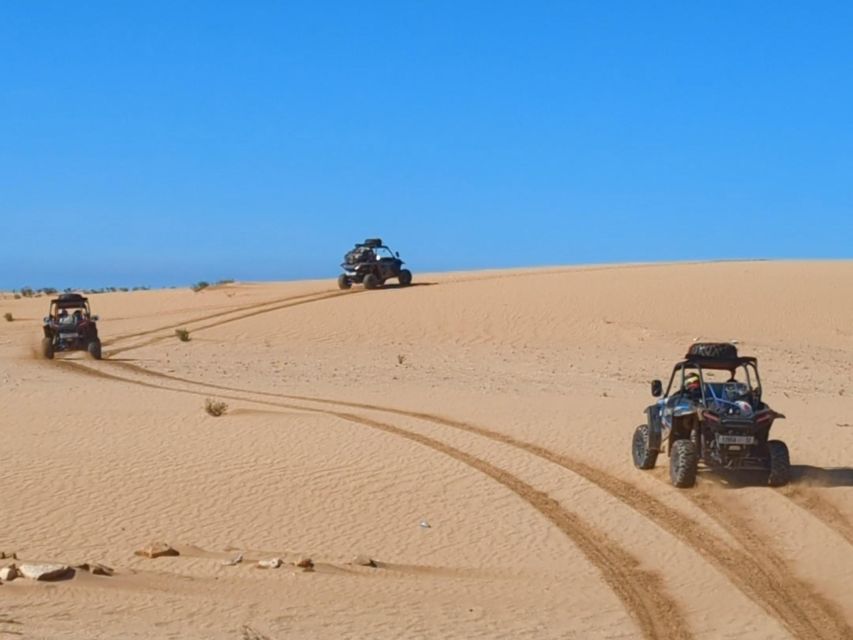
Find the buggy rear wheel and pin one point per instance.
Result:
(683, 464)
(94, 349)
(371, 281)
(344, 282)
(47, 348)
(644, 457)
(405, 277)
(780, 463)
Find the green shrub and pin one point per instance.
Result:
(198, 286)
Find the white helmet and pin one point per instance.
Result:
(744, 408)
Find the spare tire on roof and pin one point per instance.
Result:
(724, 350)
(70, 297)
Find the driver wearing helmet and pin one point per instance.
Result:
(693, 385)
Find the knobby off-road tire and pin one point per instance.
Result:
(405, 278)
(344, 282)
(371, 281)
(780, 463)
(713, 350)
(683, 463)
(644, 457)
(94, 349)
(47, 348)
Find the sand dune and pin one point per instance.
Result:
(497, 407)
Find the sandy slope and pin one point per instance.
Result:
(498, 406)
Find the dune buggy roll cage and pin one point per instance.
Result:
(76, 302)
(748, 364)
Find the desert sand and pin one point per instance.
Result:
(495, 407)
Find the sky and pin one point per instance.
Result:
(161, 143)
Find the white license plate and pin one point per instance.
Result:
(735, 439)
(67, 336)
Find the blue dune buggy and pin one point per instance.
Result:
(712, 412)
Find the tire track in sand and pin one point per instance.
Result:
(822, 509)
(248, 312)
(785, 597)
(210, 316)
(641, 592)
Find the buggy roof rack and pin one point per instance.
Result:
(69, 300)
(724, 364)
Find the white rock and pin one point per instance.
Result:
(271, 563)
(44, 571)
(7, 574)
(156, 550)
(233, 561)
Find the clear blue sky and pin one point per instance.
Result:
(166, 142)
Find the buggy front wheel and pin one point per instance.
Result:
(405, 278)
(47, 348)
(644, 456)
(683, 464)
(344, 282)
(371, 281)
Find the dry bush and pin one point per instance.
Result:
(183, 335)
(9, 317)
(215, 408)
(252, 634)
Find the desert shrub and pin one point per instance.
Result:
(17, 296)
(226, 281)
(401, 359)
(9, 317)
(198, 286)
(215, 408)
(183, 335)
(123, 289)
(27, 292)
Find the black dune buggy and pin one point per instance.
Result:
(711, 412)
(372, 263)
(70, 327)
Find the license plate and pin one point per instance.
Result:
(67, 336)
(735, 439)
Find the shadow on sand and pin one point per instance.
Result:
(397, 285)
